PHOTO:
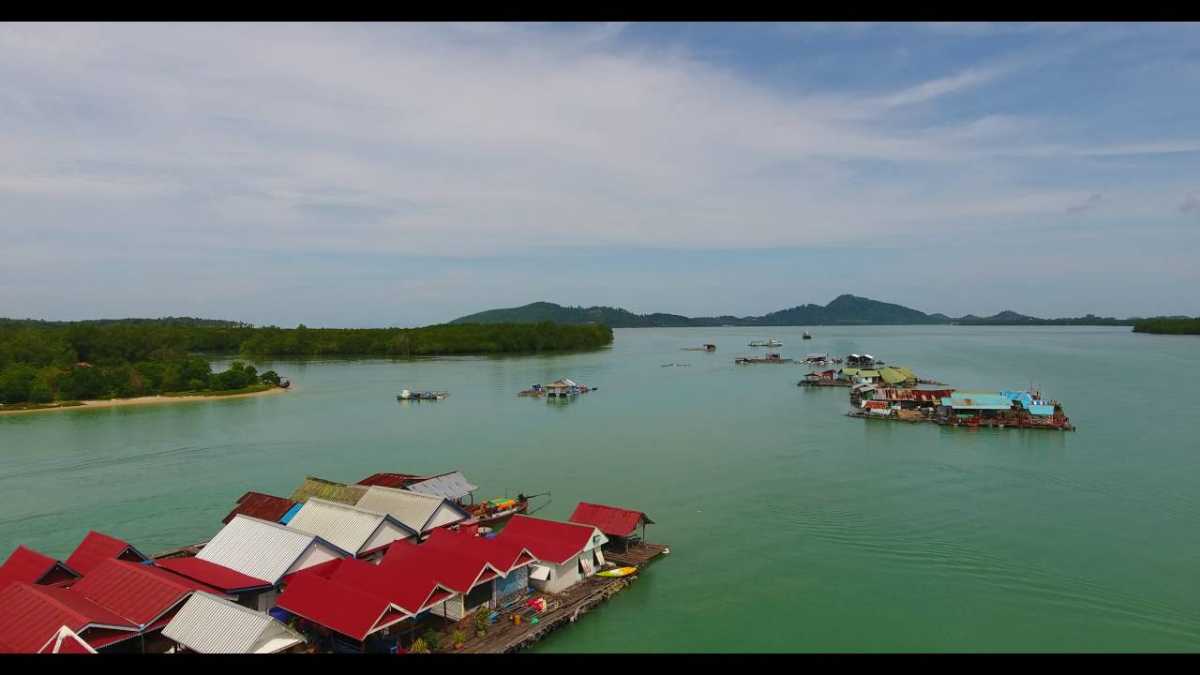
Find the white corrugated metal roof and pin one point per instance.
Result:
(212, 625)
(345, 526)
(259, 548)
(451, 485)
(413, 509)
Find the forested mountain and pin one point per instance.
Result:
(843, 310)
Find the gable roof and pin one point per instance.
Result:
(457, 570)
(395, 480)
(97, 547)
(551, 540)
(411, 589)
(418, 511)
(211, 625)
(451, 485)
(139, 593)
(328, 489)
(260, 505)
(504, 555)
(218, 576)
(31, 615)
(339, 607)
(611, 520)
(34, 567)
(66, 641)
(261, 549)
(350, 528)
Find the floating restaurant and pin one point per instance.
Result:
(403, 568)
(948, 407)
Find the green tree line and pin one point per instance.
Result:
(1168, 326)
(41, 362)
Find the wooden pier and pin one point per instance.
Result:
(638, 555)
(505, 636)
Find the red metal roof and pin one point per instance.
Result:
(30, 615)
(504, 555)
(547, 539)
(337, 606)
(458, 568)
(260, 505)
(97, 547)
(611, 520)
(392, 480)
(138, 592)
(411, 587)
(217, 576)
(30, 566)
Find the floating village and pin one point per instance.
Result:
(395, 563)
(404, 563)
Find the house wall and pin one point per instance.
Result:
(452, 609)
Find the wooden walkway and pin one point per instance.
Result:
(638, 555)
(504, 636)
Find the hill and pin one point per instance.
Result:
(842, 310)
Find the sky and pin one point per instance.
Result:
(407, 174)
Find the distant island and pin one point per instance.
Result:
(1172, 325)
(845, 310)
(56, 363)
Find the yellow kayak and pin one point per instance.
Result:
(618, 572)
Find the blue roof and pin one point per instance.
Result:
(971, 401)
(1041, 410)
(283, 520)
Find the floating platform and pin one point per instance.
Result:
(504, 636)
(638, 555)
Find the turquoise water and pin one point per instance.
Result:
(792, 527)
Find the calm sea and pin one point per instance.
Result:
(792, 527)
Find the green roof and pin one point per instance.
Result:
(850, 371)
(329, 490)
(868, 373)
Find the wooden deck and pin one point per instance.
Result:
(639, 555)
(504, 636)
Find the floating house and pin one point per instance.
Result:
(209, 624)
(511, 560)
(268, 551)
(561, 388)
(32, 616)
(144, 595)
(262, 506)
(419, 512)
(342, 608)
(567, 553)
(97, 547)
(32, 567)
(359, 531)
(618, 525)
(1019, 409)
(461, 570)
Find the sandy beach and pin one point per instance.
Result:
(144, 400)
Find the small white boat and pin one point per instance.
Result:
(770, 342)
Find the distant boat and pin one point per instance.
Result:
(770, 342)
(406, 395)
(807, 336)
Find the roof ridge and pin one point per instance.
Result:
(349, 507)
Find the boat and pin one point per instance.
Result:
(806, 336)
(769, 342)
(617, 572)
(500, 510)
(406, 395)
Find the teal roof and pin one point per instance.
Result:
(971, 401)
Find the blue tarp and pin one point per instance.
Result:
(291, 512)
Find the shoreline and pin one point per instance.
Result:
(144, 400)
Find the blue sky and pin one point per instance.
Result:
(405, 174)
